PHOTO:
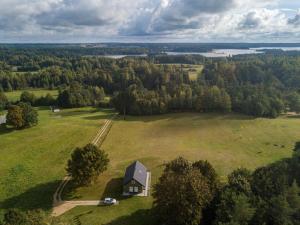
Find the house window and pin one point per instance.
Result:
(130, 189)
(136, 189)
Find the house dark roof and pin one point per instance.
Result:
(136, 171)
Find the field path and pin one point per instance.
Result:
(60, 206)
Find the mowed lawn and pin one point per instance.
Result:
(14, 96)
(33, 161)
(227, 141)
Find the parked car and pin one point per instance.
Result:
(110, 201)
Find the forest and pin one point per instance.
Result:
(260, 85)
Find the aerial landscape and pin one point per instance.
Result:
(157, 112)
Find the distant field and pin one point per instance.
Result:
(33, 160)
(193, 70)
(15, 95)
(227, 141)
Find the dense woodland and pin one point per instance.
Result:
(259, 85)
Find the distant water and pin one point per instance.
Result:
(279, 48)
(219, 53)
(121, 56)
(216, 53)
(222, 53)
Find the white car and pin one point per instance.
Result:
(110, 201)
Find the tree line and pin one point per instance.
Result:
(262, 86)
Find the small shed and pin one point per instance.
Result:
(136, 180)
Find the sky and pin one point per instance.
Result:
(94, 21)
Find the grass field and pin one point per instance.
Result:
(14, 96)
(33, 160)
(227, 141)
(193, 70)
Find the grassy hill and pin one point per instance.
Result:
(14, 96)
(33, 160)
(227, 141)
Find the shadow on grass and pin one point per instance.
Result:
(5, 130)
(140, 217)
(38, 197)
(114, 189)
(294, 117)
(70, 193)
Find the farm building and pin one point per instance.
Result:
(136, 180)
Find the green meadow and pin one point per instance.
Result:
(33, 160)
(14, 96)
(227, 141)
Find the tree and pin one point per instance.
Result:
(294, 102)
(207, 170)
(234, 208)
(293, 199)
(278, 211)
(270, 181)
(181, 194)
(240, 181)
(30, 115)
(86, 164)
(28, 97)
(22, 115)
(15, 117)
(3, 101)
(297, 146)
(14, 217)
(47, 100)
(34, 217)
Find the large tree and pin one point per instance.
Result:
(181, 194)
(294, 102)
(28, 97)
(233, 208)
(15, 117)
(86, 164)
(22, 115)
(30, 115)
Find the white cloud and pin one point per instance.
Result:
(180, 20)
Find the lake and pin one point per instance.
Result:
(222, 53)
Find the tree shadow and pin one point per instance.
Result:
(140, 217)
(114, 189)
(69, 192)
(5, 130)
(294, 117)
(38, 197)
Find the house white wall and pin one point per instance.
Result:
(2, 119)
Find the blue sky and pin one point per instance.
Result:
(150, 20)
